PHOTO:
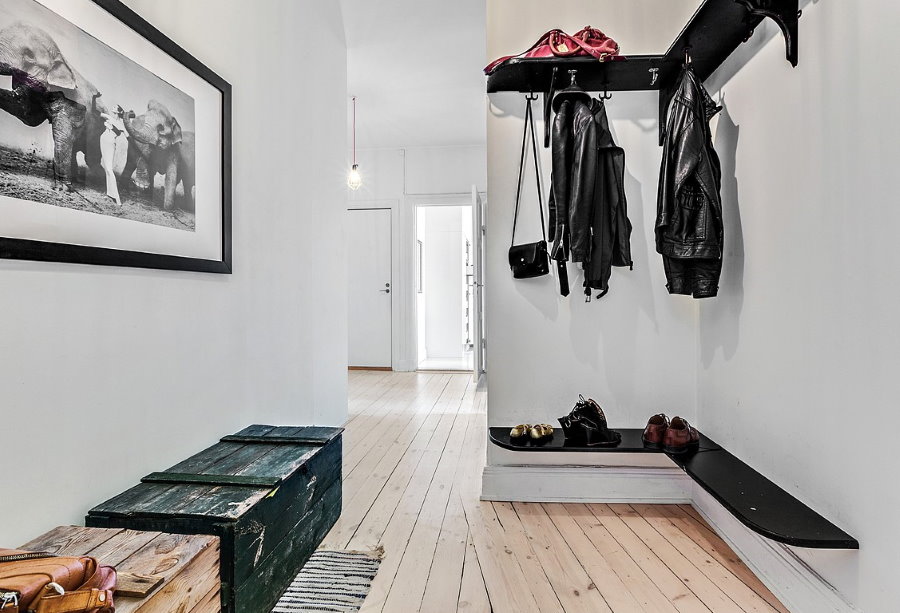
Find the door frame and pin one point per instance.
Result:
(408, 247)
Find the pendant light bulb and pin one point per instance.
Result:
(354, 180)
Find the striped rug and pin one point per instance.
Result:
(331, 581)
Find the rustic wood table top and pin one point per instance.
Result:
(188, 565)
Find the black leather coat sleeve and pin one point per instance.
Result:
(582, 181)
(559, 196)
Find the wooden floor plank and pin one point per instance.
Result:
(418, 464)
(446, 573)
(410, 479)
(707, 591)
(507, 587)
(713, 544)
(638, 583)
(397, 534)
(446, 568)
(420, 550)
(705, 562)
(373, 433)
(674, 589)
(517, 543)
(614, 591)
(363, 487)
(473, 596)
(568, 579)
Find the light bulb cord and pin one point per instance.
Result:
(354, 130)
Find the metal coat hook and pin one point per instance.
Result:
(573, 74)
(606, 95)
(531, 96)
(687, 55)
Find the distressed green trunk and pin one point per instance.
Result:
(269, 493)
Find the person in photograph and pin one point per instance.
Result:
(114, 127)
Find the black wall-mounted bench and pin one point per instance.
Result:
(758, 503)
(270, 494)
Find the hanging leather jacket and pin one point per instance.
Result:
(689, 228)
(588, 210)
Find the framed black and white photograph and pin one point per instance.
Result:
(115, 143)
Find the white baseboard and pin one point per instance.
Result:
(799, 587)
(585, 484)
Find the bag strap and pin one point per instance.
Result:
(78, 601)
(529, 127)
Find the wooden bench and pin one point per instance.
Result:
(753, 499)
(180, 571)
(271, 494)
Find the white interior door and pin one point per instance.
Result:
(478, 282)
(370, 291)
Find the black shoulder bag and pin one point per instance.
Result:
(531, 259)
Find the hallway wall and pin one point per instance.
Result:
(798, 355)
(110, 373)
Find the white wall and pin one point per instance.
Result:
(634, 350)
(110, 373)
(799, 354)
(399, 179)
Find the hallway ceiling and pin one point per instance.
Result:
(415, 66)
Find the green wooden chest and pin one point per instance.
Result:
(271, 494)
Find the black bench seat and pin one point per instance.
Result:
(753, 499)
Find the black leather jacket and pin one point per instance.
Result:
(689, 229)
(588, 210)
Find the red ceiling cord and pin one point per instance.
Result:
(354, 180)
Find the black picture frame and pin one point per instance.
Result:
(43, 251)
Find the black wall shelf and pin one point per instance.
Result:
(713, 33)
(758, 503)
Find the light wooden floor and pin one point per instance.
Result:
(414, 449)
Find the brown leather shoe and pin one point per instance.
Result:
(655, 431)
(681, 436)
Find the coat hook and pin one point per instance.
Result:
(687, 55)
(606, 95)
(572, 74)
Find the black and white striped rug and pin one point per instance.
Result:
(331, 581)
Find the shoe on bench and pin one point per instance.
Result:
(681, 437)
(655, 432)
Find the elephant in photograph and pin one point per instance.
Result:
(157, 141)
(45, 87)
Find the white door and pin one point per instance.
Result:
(370, 291)
(478, 282)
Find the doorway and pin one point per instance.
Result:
(370, 291)
(444, 279)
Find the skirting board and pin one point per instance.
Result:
(797, 585)
(585, 484)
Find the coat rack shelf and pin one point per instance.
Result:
(713, 33)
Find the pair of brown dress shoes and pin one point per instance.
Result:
(676, 436)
